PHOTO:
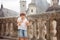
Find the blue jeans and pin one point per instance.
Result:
(22, 33)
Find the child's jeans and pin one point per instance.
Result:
(22, 33)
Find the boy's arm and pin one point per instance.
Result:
(18, 23)
(28, 23)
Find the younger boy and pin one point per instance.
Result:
(22, 23)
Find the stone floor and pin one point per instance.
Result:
(8, 38)
(4, 39)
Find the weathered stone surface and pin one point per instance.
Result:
(39, 28)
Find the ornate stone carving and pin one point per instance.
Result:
(38, 30)
(30, 30)
(2, 30)
(7, 30)
(11, 29)
(44, 30)
(53, 30)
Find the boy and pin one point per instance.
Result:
(22, 23)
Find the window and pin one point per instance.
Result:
(23, 5)
(32, 10)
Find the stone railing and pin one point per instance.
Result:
(40, 28)
(8, 27)
(43, 26)
(37, 30)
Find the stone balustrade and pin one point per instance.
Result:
(8, 27)
(39, 29)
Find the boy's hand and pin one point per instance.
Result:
(27, 23)
(19, 23)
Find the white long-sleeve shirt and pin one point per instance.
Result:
(23, 25)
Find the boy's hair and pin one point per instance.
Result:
(22, 14)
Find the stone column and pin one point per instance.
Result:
(34, 28)
(34, 31)
(44, 30)
(53, 30)
(11, 29)
(48, 29)
(7, 30)
(2, 30)
(30, 32)
(37, 30)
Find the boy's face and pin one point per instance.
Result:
(22, 16)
